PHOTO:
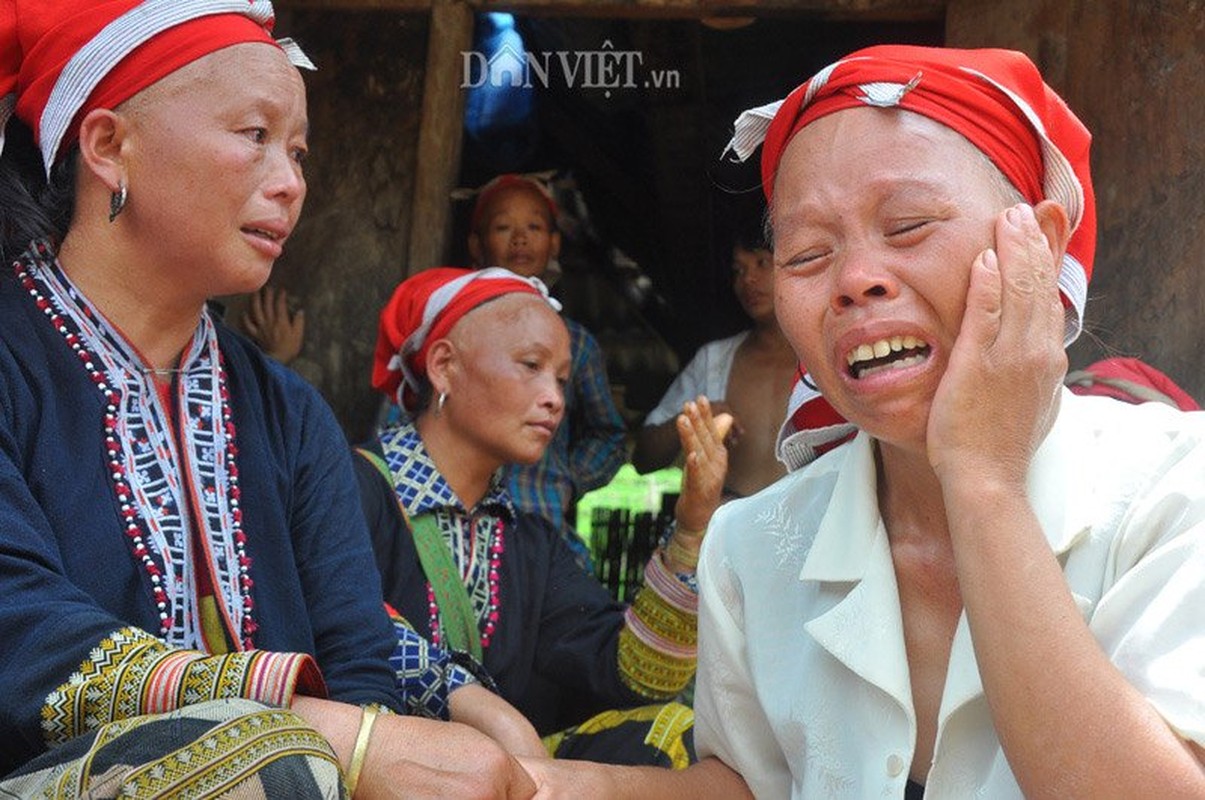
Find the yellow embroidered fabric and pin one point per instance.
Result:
(239, 738)
(130, 673)
(657, 648)
(666, 725)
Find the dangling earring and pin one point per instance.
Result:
(117, 201)
(439, 404)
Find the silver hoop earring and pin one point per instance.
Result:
(117, 201)
(439, 404)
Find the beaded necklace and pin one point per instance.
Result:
(145, 470)
(420, 488)
(491, 612)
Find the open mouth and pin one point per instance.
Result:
(898, 352)
(264, 234)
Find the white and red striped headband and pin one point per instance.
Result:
(423, 309)
(62, 58)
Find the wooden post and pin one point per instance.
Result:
(437, 164)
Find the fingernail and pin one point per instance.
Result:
(989, 259)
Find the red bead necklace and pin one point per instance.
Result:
(135, 525)
(491, 616)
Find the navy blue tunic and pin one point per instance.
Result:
(554, 653)
(67, 574)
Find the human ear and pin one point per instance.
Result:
(1056, 227)
(102, 139)
(441, 364)
(554, 244)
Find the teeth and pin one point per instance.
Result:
(883, 348)
(901, 364)
(862, 352)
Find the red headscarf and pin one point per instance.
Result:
(60, 59)
(1132, 381)
(423, 309)
(994, 98)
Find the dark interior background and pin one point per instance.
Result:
(646, 161)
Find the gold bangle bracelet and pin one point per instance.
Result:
(368, 717)
(689, 534)
(681, 555)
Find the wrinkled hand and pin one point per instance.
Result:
(269, 322)
(478, 707)
(999, 395)
(411, 757)
(702, 433)
(568, 780)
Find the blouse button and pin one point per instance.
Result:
(895, 765)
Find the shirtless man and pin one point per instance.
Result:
(747, 375)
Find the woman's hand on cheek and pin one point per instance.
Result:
(999, 395)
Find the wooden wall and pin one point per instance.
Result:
(1134, 71)
(349, 249)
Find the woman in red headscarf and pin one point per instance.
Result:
(987, 591)
(994, 589)
(187, 599)
(479, 360)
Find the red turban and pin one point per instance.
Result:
(63, 58)
(509, 180)
(423, 309)
(998, 101)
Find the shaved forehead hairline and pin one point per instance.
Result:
(504, 309)
(1000, 185)
(183, 79)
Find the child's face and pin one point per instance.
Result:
(753, 282)
(516, 233)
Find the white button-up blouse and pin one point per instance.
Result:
(803, 681)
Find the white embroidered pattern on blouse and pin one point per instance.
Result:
(778, 524)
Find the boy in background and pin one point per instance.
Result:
(748, 375)
(513, 225)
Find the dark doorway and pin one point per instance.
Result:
(638, 149)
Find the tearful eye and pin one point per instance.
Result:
(906, 228)
(805, 262)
